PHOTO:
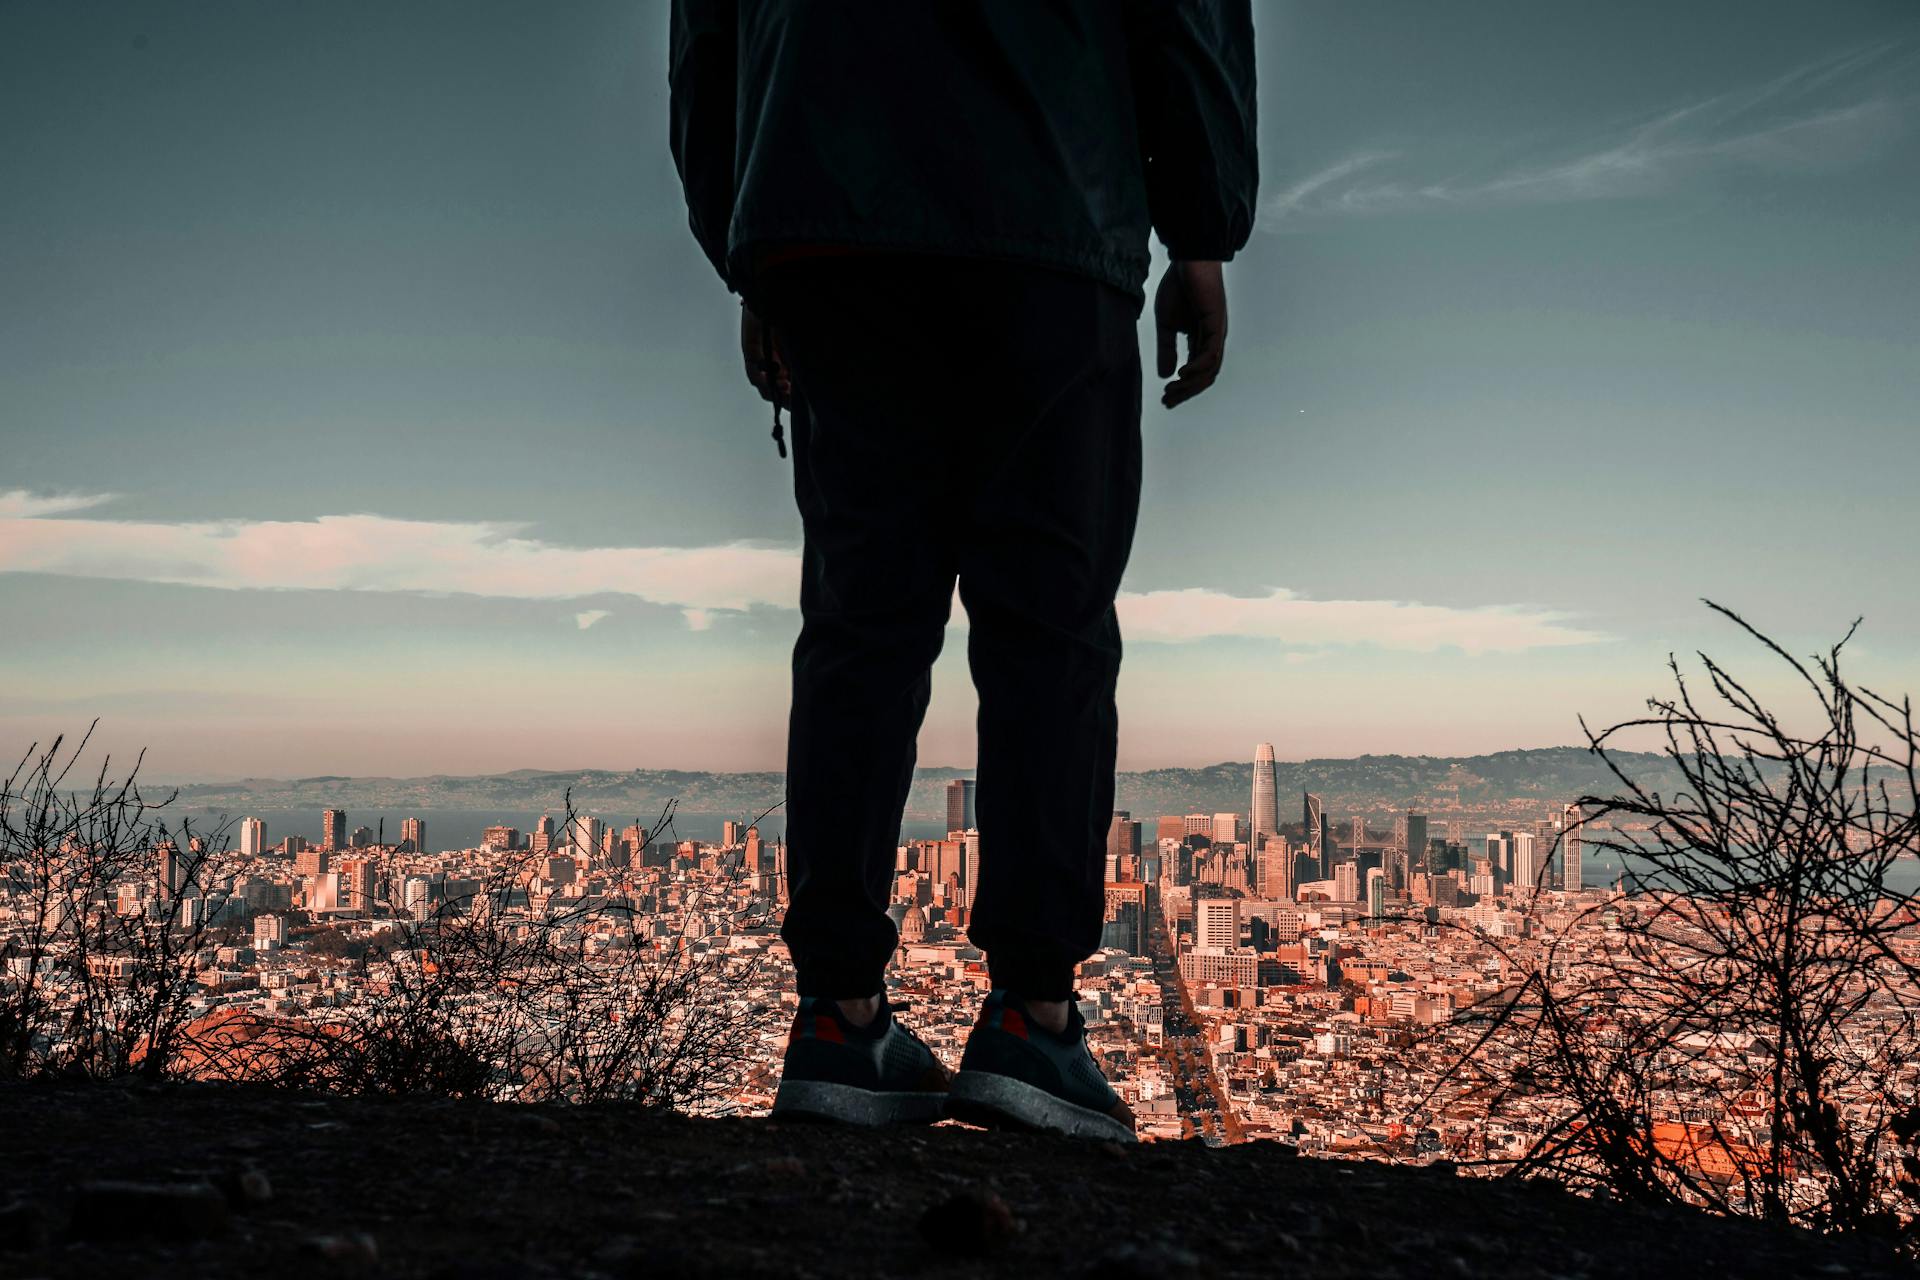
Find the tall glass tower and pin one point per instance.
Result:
(1316, 822)
(1265, 813)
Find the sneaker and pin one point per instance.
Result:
(873, 1075)
(1017, 1073)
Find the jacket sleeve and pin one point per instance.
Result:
(1193, 78)
(700, 79)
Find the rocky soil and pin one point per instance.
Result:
(206, 1181)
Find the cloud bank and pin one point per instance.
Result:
(379, 553)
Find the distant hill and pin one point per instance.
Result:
(1551, 775)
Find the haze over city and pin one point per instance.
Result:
(398, 430)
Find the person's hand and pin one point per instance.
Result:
(772, 381)
(1192, 299)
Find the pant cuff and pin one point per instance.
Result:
(1035, 977)
(838, 980)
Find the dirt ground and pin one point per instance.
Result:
(235, 1182)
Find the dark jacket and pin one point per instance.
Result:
(1047, 131)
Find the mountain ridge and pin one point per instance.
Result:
(1369, 782)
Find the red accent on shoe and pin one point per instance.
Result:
(1012, 1023)
(829, 1030)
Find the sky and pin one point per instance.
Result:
(367, 407)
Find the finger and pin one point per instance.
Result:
(1203, 368)
(1181, 390)
(1169, 355)
(1196, 376)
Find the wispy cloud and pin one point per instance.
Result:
(377, 553)
(23, 504)
(1794, 123)
(1195, 614)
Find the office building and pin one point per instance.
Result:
(1123, 839)
(1571, 825)
(1346, 882)
(960, 815)
(269, 931)
(583, 835)
(1526, 866)
(253, 837)
(413, 835)
(1226, 828)
(333, 829)
(1314, 817)
(357, 884)
(1216, 922)
(1274, 875)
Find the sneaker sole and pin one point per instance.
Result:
(849, 1104)
(996, 1101)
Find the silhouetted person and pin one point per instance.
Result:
(936, 214)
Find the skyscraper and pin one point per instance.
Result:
(1526, 865)
(1346, 882)
(333, 829)
(413, 833)
(583, 834)
(1376, 892)
(1275, 869)
(253, 837)
(1570, 868)
(1265, 813)
(173, 868)
(1416, 840)
(1123, 838)
(752, 856)
(357, 882)
(1315, 818)
(960, 805)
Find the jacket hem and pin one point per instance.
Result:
(1124, 272)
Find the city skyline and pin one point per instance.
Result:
(361, 431)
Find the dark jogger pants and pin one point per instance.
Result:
(978, 421)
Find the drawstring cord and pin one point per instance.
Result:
(773, 386)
